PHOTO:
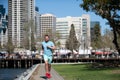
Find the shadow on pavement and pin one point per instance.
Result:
(44, 77)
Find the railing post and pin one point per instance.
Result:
(6, 64)
(25, 63)
(29, 63)
(14, 64)
(20, 63)
(0, 63)
(3, 64)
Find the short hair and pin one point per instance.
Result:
(46, 35)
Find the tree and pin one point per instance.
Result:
(58, 44)
(96, 41)
(26, 41)
(54, 36)
(10, 46)
(109, 10)
(33, 48)
(29, 39)
(107, 39)
(72, 43)
(0, 46)
(57, 36)
(32, 37)
(26, 36)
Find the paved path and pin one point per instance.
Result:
(39, 74)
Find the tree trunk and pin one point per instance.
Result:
(115, 41)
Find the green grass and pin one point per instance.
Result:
(84, 72)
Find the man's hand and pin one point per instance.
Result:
(51, 47)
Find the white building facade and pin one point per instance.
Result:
(47, 24)
(37, 25)
(19, 13)
(81, 25)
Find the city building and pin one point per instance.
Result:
(20, 12)
(81, 24)
(3, 26)
(85, 38)
(37, 24)
(92, 25)
(62, 27)
(47, 25)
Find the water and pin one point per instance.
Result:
(10, 74)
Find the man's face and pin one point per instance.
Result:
(46, 38)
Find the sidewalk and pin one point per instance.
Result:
(39, 74)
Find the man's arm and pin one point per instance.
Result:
(42, 47)
(51, 47)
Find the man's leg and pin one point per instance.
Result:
(46, 64)
(46, 67)
(49, 67)
(49, 63)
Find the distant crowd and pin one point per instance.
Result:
(60, 54)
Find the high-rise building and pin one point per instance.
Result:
(85, 38)
(19, 13)
(63, 26)
(36, 9)
(37, 24)
(3, 26)
(47, 24)
(92, 31)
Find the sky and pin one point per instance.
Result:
(63, 8)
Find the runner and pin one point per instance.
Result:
(47, 47)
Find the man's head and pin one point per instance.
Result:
(46, 38)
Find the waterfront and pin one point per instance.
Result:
(10, 74)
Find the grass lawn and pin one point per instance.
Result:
(84, 72)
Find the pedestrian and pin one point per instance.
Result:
(47, 47)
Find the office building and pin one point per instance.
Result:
(20, 12)
(92, 31)
(3, 26)
(37, 24)
(85, 38)
(47, 25)
(81, 25)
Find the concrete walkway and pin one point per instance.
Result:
(39, 74)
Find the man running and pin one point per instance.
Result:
(47, 47)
